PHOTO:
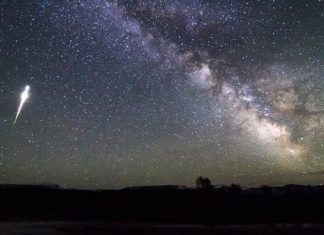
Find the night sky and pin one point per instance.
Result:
(152, 92)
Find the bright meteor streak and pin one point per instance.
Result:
(23, 97)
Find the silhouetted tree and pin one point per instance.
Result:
(203, 183)
(236, 188)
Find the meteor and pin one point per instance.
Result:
(23, 97)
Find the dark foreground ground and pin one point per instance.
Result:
(82, 228)
(291, 209)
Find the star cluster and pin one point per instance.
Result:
(161, 91)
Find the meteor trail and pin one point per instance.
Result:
(23, 97)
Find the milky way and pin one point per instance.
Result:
(160, 92)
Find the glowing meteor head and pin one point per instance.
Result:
(23, 97)
(25, 94)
